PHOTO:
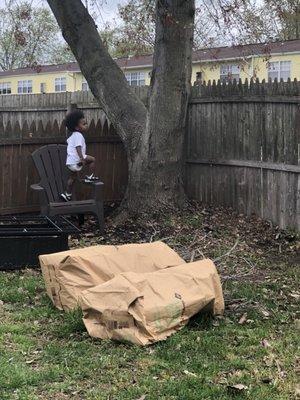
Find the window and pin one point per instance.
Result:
(229, 72)
(43, 87)
(5, 88)
(24, 87)
(84, 85)
(198, 76)
(60, 84)
(279, 69)
(135, 78)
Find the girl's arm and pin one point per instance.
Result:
(79, 151)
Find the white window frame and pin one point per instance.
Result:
(84, 85)
(60, 84)
(229, 72)
(279, 69)
(25, 86)
(5, 88)
(136, 78)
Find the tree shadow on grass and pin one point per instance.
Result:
(201, 321)
(70, 324)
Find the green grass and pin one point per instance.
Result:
(47, 354)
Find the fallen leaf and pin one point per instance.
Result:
(243, 319)
(89, 235)
(237, 388)
(29, 361)
(265, 313)
(265, 343)
(269, 360)
(186, 372)
(295, 295)
(142, 397)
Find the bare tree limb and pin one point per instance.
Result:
(106, 80)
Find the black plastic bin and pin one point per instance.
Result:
(23, 239)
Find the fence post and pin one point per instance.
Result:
(72, 105)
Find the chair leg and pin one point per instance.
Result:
(100, 215)
(44, 211)
(80, 219)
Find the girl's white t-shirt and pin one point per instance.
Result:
(75, 140)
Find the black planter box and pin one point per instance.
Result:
(23, 239)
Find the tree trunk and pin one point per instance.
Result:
(160, 162)
(153, 138)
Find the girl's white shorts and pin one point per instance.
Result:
(75, 167)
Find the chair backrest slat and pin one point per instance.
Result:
(50, 162)
(62, 156)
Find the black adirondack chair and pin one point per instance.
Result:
(50, 161)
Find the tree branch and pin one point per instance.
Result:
(106, 80)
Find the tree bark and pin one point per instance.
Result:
(161, 160)
(153, 138)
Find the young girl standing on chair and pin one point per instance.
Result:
(76, 152)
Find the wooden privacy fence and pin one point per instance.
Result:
(30, 121)
(243, 148)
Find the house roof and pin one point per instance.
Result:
(71, 67)
(241, 51)
(201, 55)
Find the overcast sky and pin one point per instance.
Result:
(106, 10)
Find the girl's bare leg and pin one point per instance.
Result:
(90, 162)
(70, 183)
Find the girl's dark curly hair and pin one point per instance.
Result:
(72, 119)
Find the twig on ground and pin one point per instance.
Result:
(228, 252)
(165, 238)
(192, 256)
(154, 233)
(201, 254)
(249, 263)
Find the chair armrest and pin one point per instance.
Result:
(97, 188)
(42, 196)
(96, 183)
(37, 187)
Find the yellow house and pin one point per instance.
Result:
(279, 60)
